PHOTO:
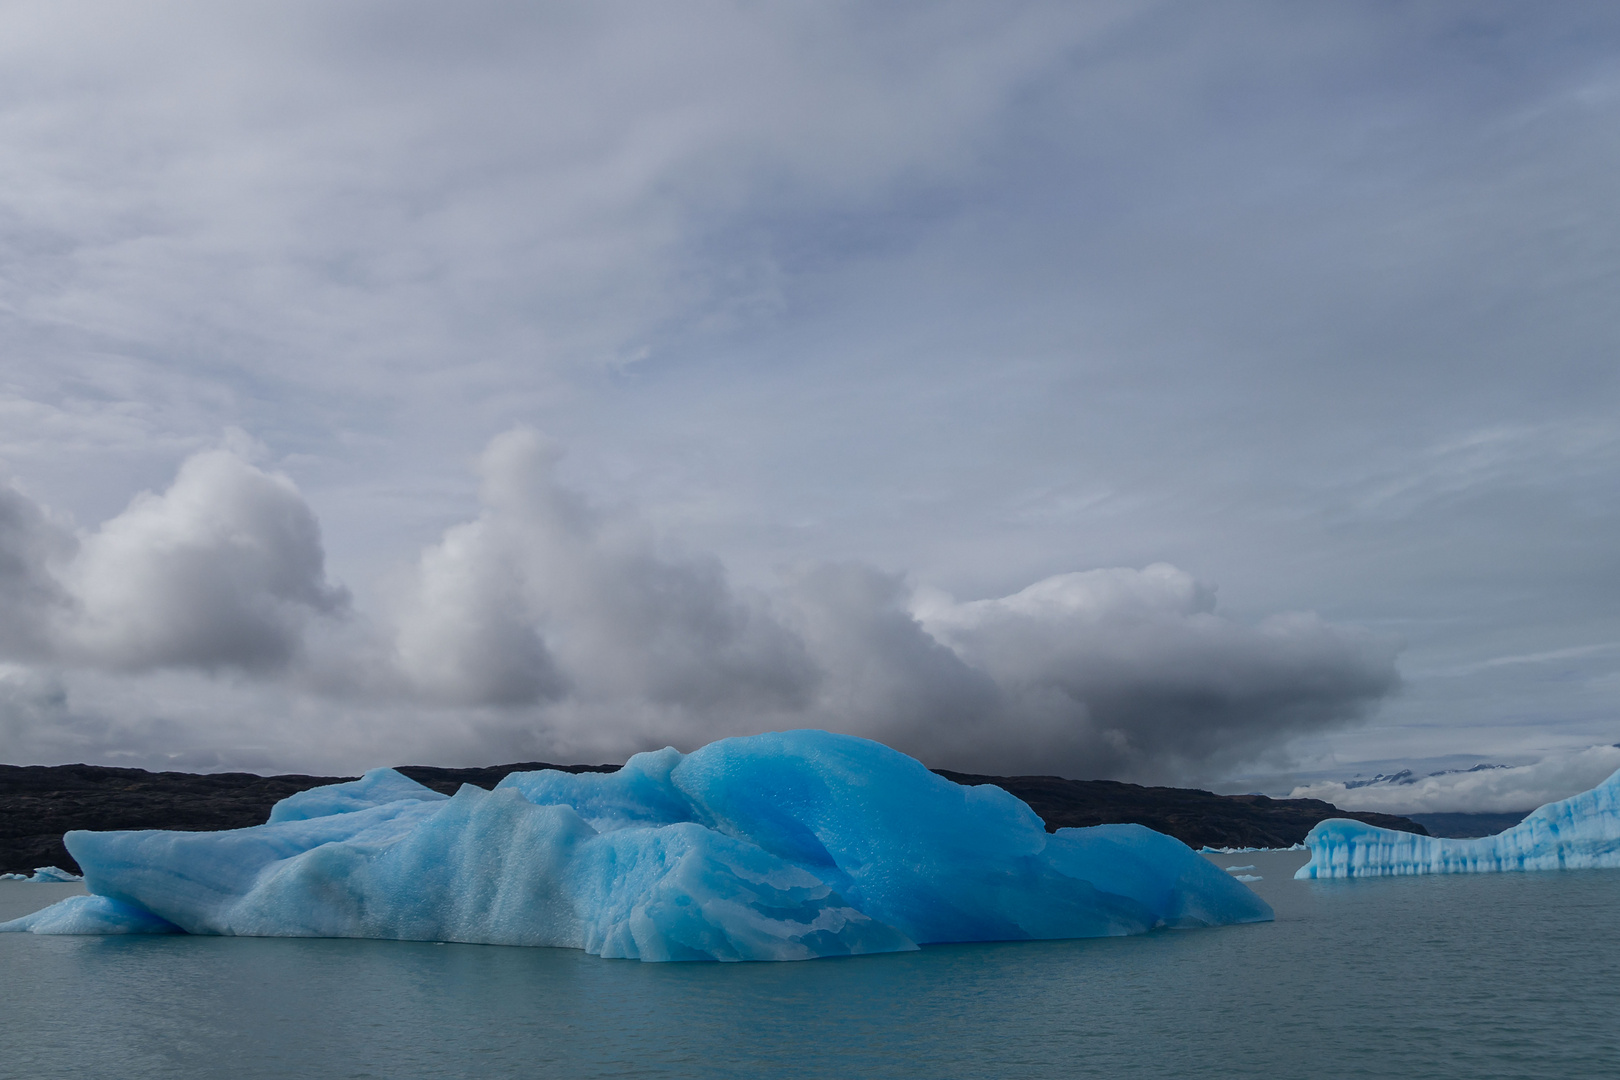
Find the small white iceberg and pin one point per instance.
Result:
(1207, 850)
(50, 875)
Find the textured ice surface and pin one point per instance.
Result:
(1580, 832)
(379, 787)
(775, 847)
(94, 915)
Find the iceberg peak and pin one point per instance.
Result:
(378, 787)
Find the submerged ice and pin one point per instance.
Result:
(1581, 832)
(775, 847)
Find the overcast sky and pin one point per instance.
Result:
(1178, 392)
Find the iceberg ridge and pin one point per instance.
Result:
(782, 846)
(1580, 832)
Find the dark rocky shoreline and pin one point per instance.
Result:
(39, 803)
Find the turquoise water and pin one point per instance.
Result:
(1512, 975)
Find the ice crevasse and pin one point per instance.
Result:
(1580, 832)
(781, 846)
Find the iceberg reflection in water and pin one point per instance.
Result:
(783, 846)
(1581, 832)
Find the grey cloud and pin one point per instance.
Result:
(549, 621)
(464, 633)
(29, 595)
(1310, 300)
(545, 594)
(547, 599)
(887, 677)
(36, 721)
(221, 570)
(508, 183)
(1130, 673)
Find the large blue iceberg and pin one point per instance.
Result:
(1581, 832)
(776, 847)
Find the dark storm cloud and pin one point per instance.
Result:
(1132, 673)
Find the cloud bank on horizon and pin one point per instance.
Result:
(1486, 788)
(550, 626)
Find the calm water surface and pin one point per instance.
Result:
(1511, 975)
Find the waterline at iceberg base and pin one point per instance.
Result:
(783, 846)
(1578, 833)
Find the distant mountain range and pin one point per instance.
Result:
(1407, 776)
(39, 803)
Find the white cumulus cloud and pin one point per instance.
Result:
(224, 569)
(550, 624)
(545, 596)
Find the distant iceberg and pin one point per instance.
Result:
(1581, 832)
(776, 847)
(1207, 850)
(48, 875)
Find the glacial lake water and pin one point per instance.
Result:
(1510, 975)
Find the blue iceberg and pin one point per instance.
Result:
(783, 846)
(1581, 832)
